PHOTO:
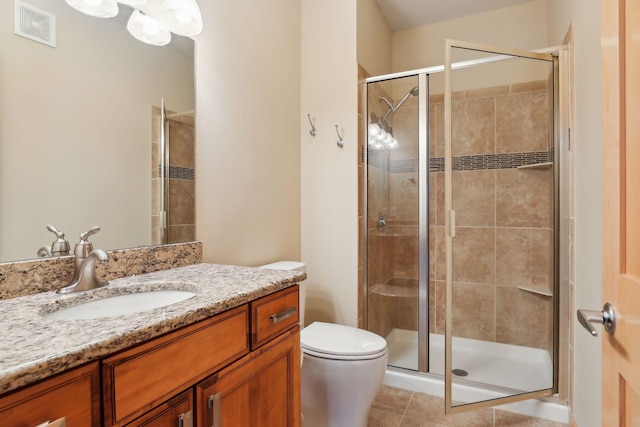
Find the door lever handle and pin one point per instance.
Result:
(606, 317)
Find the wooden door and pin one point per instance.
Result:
(261, 389)
(621, 209)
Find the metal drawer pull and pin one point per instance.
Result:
(279, 317)
(186, 419)
(214, 401)
(62, 422)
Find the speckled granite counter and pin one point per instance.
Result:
(34, 347)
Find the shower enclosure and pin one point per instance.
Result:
(461, 208)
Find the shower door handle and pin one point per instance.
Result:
(606, 317)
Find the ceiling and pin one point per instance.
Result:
(403, 14)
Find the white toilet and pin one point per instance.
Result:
(342, 370)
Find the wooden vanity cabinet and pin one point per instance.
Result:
(73, 395)
(241, 366)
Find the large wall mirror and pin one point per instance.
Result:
(76, 129)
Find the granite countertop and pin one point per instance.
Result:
(34, 347)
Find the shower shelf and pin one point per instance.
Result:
(389, 290)
(545, 165)
(542, 292)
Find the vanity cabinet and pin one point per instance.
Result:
(73, 395)
(241, 367)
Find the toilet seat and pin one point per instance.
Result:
(340, 342)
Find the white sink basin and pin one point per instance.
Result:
(120, 304)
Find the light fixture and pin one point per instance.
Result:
(152, 21)
(97, 8)
(381, 138)
(181, 17)
(147, 29)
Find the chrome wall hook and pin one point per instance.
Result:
(313, 130)
(340, 142)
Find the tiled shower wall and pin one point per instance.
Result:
(502, 262)
(181, 211)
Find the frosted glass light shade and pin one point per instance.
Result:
(181, 17)
(374, 129)
(133, 3)
(97, 8)
(394, 144)
(147, 29)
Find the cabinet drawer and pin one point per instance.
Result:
(74, 395)
(273, 314)
(141, 378)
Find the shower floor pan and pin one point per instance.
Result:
(501, 365)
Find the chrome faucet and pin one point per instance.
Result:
(84, 272)
(87, 278)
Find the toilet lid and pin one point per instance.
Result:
(340, 340)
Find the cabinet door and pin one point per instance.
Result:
(261, 389)
(73, 395)
(176, 412)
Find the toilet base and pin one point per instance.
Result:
(338, 393)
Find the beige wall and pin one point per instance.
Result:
(523, 26)
(373, 38)
(248, 132)
(75, 129)
(329, 174)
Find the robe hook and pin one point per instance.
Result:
(340, 142)
(313, 130)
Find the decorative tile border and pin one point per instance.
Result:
(177, 172)
(461, 163)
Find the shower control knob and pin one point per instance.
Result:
(606, 317)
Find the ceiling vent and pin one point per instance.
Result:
(34, 24)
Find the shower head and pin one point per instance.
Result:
(412, 92)
(392, 109)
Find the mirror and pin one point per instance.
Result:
(76, 128)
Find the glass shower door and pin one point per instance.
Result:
(499, 225)
(395, 238)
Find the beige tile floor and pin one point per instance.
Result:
(395, 407)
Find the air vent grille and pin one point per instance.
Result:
(34, 24)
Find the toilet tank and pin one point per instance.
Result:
(292, 265)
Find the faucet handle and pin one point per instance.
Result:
(61, 245)
(59, 234)
(93, 230)
(83, 247)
